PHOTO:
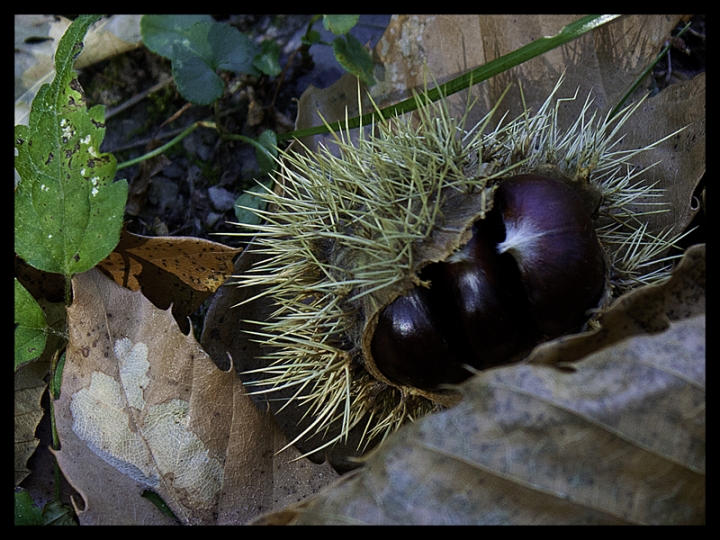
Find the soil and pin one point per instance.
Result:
(191, 189)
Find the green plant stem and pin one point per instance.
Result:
(477, 75)
(644, 74)
(53, 395)
(56, 447)
(242, 138)
(162, 148)
(68, 290)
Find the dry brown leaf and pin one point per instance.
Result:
(29, 388)
(143, 407)
(149, 261)
(177, 270)
(607, 60)
(618, 439)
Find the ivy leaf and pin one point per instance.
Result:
(205, 48)
(352, 56)
(68, 211)
(195, 79)
(30, 326)
(231, 49)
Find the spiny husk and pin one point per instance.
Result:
(348, 229)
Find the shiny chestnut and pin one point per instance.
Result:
(530, 272)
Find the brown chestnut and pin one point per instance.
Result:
(550, 234)
(482, 306)
(531, 271)
(413, 350)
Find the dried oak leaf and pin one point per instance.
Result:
(617, 438)
(177, 270)
(143, 407)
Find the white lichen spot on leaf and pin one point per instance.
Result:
(144, 407)
(133, 370)
(151, 442)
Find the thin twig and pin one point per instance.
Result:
(137, 98)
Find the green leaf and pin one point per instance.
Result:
(57, 513)
(267, 61)
(267, 152)
(311, 38)
(159, 503)
(30, 326)
(68, 211)
(340, 24)
(199, 50)
(196, 80)
(56, 381)
(249, 200)
(26, 513)
(352, 56)
(160, 32)
(232, 50)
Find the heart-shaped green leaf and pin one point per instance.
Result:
(198, 46)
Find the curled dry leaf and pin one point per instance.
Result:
(644, 310)
(177, 270)
(143, 407)
(620, 438)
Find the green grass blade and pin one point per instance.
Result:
(523, 54)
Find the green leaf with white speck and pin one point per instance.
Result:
(68, 210)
